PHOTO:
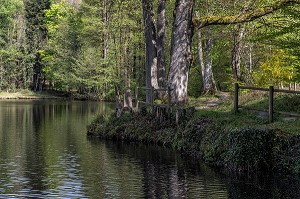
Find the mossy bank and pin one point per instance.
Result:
(236, 149)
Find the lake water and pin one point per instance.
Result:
(45, 153)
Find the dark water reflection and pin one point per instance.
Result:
(44, 153)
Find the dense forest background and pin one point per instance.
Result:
(89, 46)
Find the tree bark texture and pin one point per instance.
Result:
(236, 52)
(209, 82)
(181, 50)
(151, 51)
(200, 54)
(161, 43)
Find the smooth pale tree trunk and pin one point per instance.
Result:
(127, 74)
(200, 54)
(236, 53)
(127, 91)
(209, 85)
(151, 51)
(181, 50)
(161, 43)
(208, 81)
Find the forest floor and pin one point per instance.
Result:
(210, 101)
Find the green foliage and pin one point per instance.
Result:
(62, 47)
(275, 70)
(249, 149)
(195, 85)
(36, 39)
(281, 33)
(288, 158)
(91, 48)
(12, 46)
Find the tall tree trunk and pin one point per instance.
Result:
(209, 85)
(208, 82)
(181, 50)
(161, 42)
(236, 53)
(151, 51)
(127, 90)
(200, 55)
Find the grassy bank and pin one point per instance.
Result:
(27, 94)
(50, 94)
(239, 142)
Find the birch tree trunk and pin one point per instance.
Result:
(181, 50)
(151, 51)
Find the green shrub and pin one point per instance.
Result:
(287, 153)
(246, 149)
(249, 149)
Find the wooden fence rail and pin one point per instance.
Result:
(271, 91)
(152, 91)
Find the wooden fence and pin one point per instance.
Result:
(271, 92)
(152, 92)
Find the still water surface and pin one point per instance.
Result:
(44, 153)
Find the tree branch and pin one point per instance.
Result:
(244, 17)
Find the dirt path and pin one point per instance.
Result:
(219, 99)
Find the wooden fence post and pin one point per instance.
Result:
(236, 97)
(271, 103)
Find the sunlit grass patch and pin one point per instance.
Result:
(24, 94)
(225, 116)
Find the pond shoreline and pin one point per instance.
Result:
(44, 95)
(244, 150)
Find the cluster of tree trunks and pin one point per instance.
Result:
(182, 33)
(155, 45)
(181, 47)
